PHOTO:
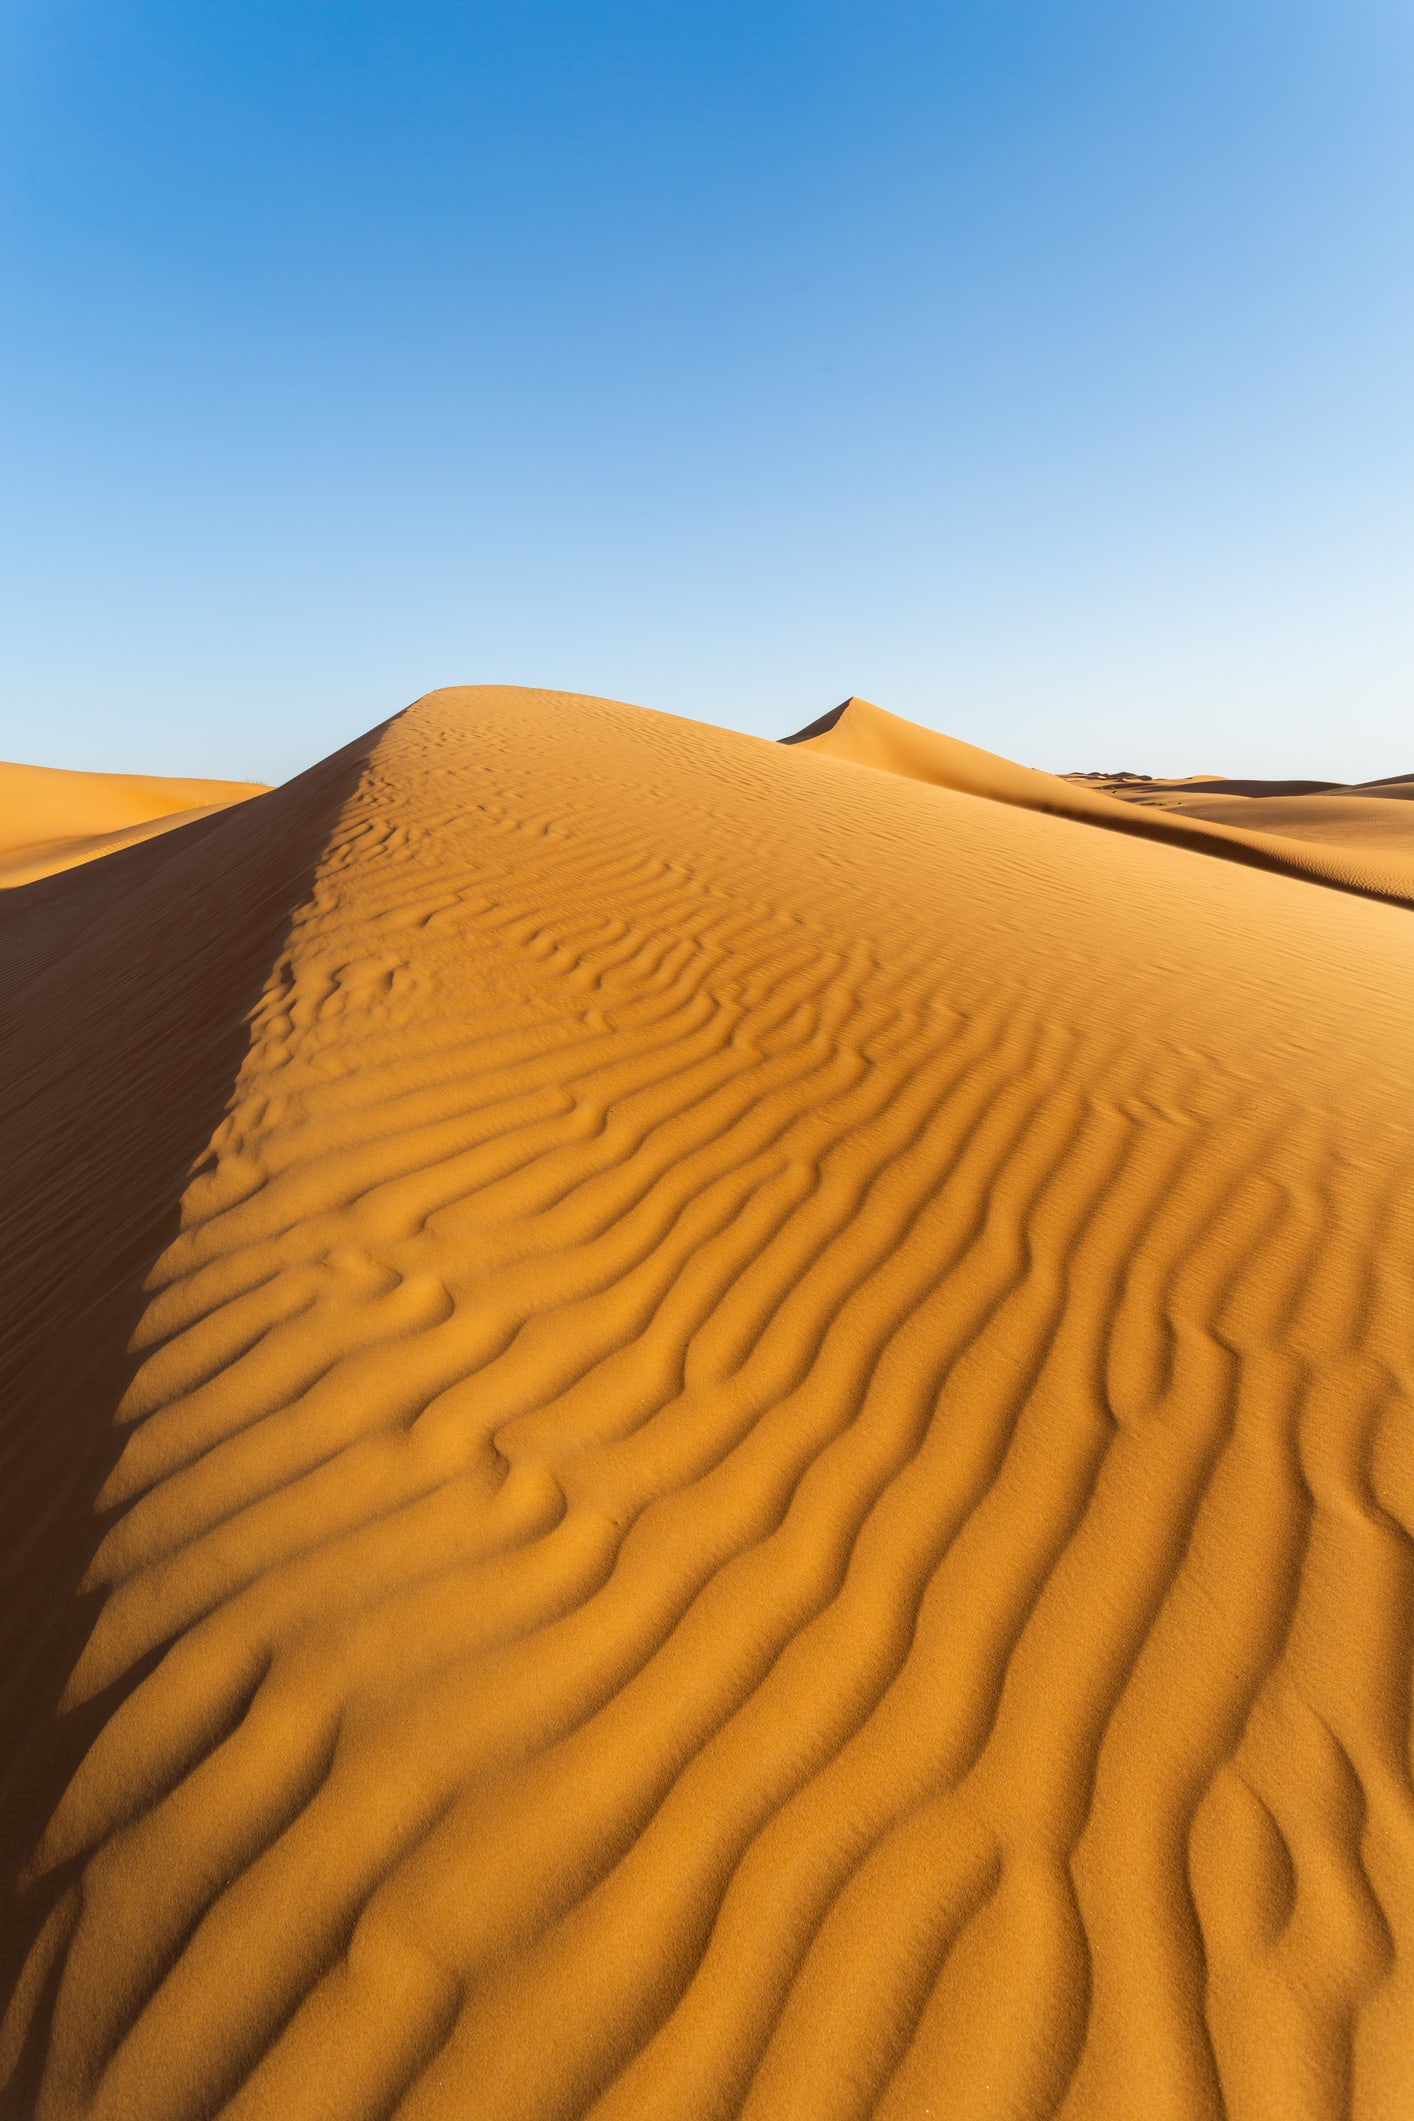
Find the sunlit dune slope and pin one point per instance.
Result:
(1378, 862)
(127, 984)
(771, 1473)
(51, 819)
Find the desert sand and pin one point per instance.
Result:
(1372, 813)
(52, 819)
(735, 1421)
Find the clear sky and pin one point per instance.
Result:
(1042, 369)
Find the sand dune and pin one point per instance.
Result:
(1385, 822)
(1382, 819)
(1380, 863)
(1372, 814)
(767, 1469)
(51, 819)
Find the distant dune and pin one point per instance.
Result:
(750, 1409)
(1376, 815)
(1363, 842)
(51, 819)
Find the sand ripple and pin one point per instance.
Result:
(772, 1475)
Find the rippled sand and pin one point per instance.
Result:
(768, 1467)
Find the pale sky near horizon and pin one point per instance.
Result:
(1041, 371)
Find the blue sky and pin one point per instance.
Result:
(1043, 369)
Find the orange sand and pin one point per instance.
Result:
(52, 820)
(1377, 814)
(768, 1466)
(1378, 861)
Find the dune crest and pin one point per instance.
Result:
(771, 1473)
(52, 819)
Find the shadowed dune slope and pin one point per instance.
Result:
(1378, 863)
(127, 984)
(51, 819)
(771, 1474)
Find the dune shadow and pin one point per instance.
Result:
(128, 985)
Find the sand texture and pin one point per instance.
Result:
(1381, 864)
(51, 819)
(1377, 815)
(766, 1467)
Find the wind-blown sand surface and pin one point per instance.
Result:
(768, 1467)
(51, 819)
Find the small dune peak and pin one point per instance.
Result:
(821, 726)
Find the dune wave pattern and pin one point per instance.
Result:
(771, 1476)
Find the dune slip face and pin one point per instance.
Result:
(768, 1469)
